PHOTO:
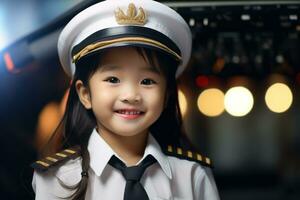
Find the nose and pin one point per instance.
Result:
(131, 94)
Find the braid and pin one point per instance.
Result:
(82, 185)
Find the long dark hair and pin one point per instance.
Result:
(78, 123)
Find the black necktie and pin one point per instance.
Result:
(133, 189)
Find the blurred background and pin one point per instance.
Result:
(239, 95)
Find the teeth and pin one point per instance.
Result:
(129, 112)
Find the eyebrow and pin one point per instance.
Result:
(152, 69)
(105, 68)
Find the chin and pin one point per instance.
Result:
(128, 132)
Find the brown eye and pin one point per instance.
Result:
(112, 79)
(148, 81)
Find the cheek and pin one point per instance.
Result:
(102, 96)
(155, 98)
(105, 95)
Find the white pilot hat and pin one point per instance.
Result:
(114, 23)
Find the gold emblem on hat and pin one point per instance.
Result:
(132, 17)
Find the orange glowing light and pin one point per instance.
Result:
(218, 65)
(8, 62)
(48, 120)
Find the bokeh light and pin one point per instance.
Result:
(279, 97)
(182, 102)
(211, 102)
(9, 64)
(202, 81)
(238, 101)
(47, 122)
(49, 119)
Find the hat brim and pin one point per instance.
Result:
(129, 44)
(125, 35)
(120, 42)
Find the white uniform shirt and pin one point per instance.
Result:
(170, 178)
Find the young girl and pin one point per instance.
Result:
(120, 134)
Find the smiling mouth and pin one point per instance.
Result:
(129, 114)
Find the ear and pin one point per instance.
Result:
(83, 94)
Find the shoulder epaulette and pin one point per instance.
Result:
(58, 158)
(188, 155)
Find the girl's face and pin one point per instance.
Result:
(126, 94)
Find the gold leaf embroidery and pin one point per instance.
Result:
(131, 17)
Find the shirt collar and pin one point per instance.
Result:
(100, 154)
(154, 149)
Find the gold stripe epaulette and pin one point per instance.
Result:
(188, 155)
(49, 161)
